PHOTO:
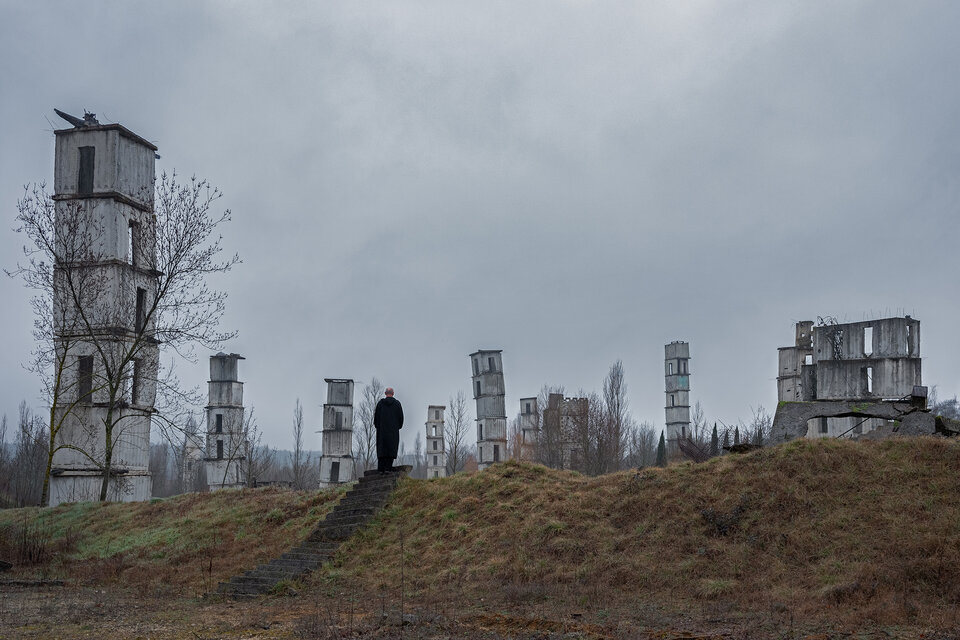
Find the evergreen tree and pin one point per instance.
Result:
(726, 439)
(715, 442)
(736, 436)
(662, 452)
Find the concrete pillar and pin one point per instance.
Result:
(436, 452)
(336, 462)
(488, 391)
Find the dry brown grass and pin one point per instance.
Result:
(840, 532)
(184, 544)
(857, 531)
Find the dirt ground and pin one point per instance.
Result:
(73, 611)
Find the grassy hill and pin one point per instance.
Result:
(867, 531)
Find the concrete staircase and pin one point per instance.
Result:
(355, 509)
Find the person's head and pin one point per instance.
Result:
(388, 392)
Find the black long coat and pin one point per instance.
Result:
(388, 419)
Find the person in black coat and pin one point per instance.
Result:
(387, 419)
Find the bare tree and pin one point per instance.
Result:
(176, 250)
(642, 445)
(364, 432)
(698, 425)
(617, 420)
(259, 458)
(26, 485)
(419, 468)
(455, 430)
(301, 463)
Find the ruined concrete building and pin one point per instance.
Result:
(436, 452)
(336, 461)
(529, 429)
(103, 192)
(488, 391)
(867, 362)
(226, 437)
(676, 367)
(564, 419)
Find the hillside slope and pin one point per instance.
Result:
(867, 530)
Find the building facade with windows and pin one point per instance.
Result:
(105, 284)
(226, 436)
(436, 452)
(529, 429)
(488, 391)
(676, 365)
(336, 460)
(858, 361)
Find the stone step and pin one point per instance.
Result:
(354, 510)
(232, 588)
(375, 482)
(319, 549)
(363, 502)
(381, 487)
(334, 533)
(306, 556)
(344, 520)
(257, 580)
(397, 471)
(285, 564)
(274, 573)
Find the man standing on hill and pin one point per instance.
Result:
(387, 419)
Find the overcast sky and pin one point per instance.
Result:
(571, 182)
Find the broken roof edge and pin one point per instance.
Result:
(109, 127)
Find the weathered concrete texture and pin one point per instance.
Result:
(488, 391)
(103, 183)
(354, 511)
(676, 370)
(336, 463)
(226, 443)
(790, 421)
(436, 449)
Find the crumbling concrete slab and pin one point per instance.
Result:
(791, 418)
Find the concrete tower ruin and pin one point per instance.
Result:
(436, 452)
(866, 362)
(529, 428)
(677, 372)
(488, 391)
(226, 439)
(336, 462)
(105, 265)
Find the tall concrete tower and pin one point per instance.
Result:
(436, 452)
(226, 440)
(488, 391)
(677, 371)
(105, 267)
(529, 428)
(336, 462)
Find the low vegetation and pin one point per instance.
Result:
(860, 532)
(180, 545)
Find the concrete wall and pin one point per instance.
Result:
(436, 455)
(122, 164)
(488, 392)
(336, 461)
(891, 338)
(99, 223)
